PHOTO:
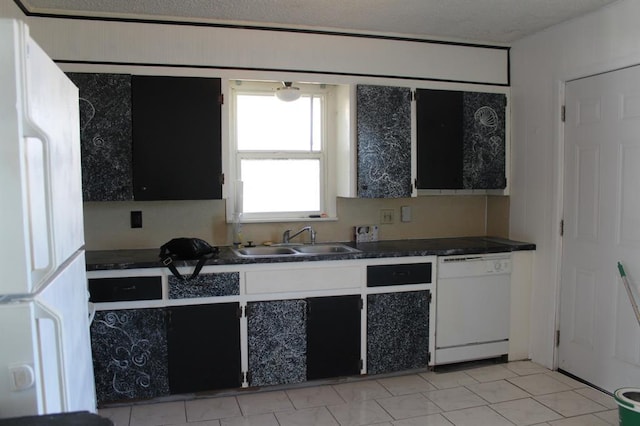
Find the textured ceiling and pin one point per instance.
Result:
(498, 21)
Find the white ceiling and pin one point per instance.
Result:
(496, 21)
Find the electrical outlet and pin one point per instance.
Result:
(387, 216)
(405, 214)
(136, 219)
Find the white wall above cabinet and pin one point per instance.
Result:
(264, 50)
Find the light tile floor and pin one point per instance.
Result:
(516, 393)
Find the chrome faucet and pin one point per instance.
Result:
(286, 236)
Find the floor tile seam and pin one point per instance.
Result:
(581, 415)
(567, 391)
(417, 393)
(275, 414)
(328, 407)
(314, 406)
(488, 406)
(265, 412)
(457, 409)
(459, 371)
(545, 393)
(219, 418)
(530, 395)
(386, 411)
(565, 417)
(475, 393)
(532, 398)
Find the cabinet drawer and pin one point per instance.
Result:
(205, 285)
(402, 274)
(303, 279)
(125, 289)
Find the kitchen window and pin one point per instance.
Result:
(280, 152)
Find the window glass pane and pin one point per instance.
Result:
(280, 185)
(265, 123)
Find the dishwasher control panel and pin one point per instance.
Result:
(474, 265)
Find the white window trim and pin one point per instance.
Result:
(328, 157)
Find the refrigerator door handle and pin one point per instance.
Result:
(39, 168)
(92, 312)
(45, 312)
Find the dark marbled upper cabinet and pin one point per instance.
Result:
(105, 135)
(177, 152)
(149, 137)
(461, 140)
(384, 141)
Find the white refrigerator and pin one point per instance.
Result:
(45, 351)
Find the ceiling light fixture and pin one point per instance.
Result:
(287, 92)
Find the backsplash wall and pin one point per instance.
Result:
(107, 224)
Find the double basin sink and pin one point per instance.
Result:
(294, 250)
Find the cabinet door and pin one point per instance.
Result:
(333, 336)
(384, 141)
(176, 138)
(439, 135)
(204, 347)
(129, 350)
(277, 342)
(460, 140)
(105, 136)
(397, 331)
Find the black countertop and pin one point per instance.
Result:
(79, 418)
(148, 258)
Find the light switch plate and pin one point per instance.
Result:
(387, 216)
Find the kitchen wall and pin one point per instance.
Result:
(107, 223)
(275, 55)
(602, 41)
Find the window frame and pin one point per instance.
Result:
(326, 156)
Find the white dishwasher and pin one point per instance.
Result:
(472, 307)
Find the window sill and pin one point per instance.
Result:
(285, 220)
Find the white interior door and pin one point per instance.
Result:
(599, 335)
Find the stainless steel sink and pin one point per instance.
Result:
(262, 251)
(294, 250)
(325, 249)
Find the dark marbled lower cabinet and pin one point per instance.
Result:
(204, 347)
(129, 354)
(333, 336)
(205, 285)
(384, 141)
(397, 331)
(105, 136)
(277, 342)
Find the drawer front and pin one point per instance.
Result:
(401, 274)
(125, 289)
(303, 279)
(205, 285)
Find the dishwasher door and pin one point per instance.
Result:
(473, 307)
